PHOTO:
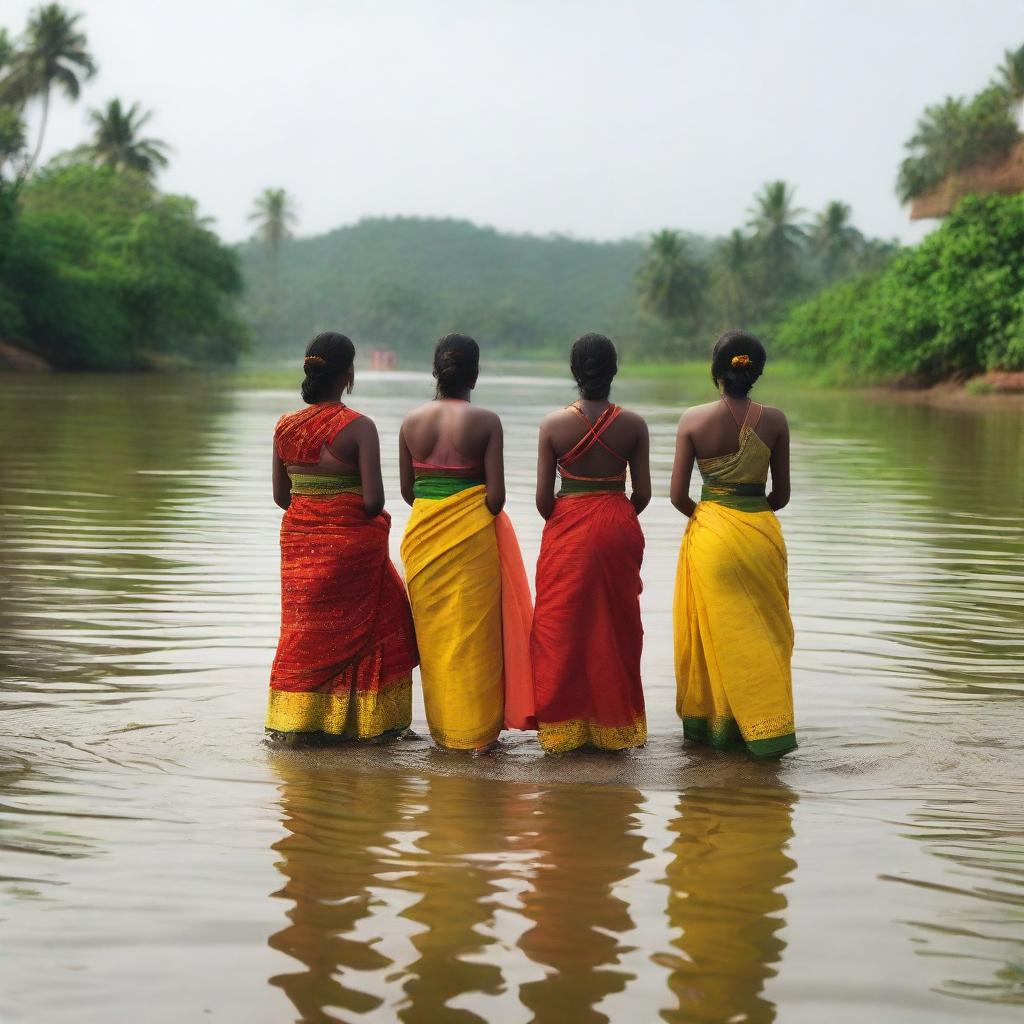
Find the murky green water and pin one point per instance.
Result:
(158, 863)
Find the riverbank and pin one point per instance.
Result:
(997, 389)
(19, 360)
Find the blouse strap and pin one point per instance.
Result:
(593, 435)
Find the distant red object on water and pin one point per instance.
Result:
(383, 359)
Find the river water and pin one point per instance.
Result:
(159, 863)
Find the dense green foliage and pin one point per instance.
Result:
(402, 282)
(751, 277)
(98, 269)
(958, 134)
(954, 305)
(102, 271)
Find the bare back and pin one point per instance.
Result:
(452, 437)
(624, 441)
(713, 430)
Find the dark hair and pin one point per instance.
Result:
(737, 360)
(594, 362)
(329, 356)
(456, 364)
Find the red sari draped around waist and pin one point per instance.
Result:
(587, 635)
(347, 647)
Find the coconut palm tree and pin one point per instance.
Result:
(274, 214)
(834, 239)
(671, 280)
(730, 278)
(1010, 78)
(54, 54)
(117, 143)
(779, 236)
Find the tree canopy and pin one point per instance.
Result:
(98, 269)
(954, 305)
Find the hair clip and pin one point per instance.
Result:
(315, 359)
(741, 360)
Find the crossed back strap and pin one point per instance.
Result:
(593, 435)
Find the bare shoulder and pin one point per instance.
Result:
(774, 418)
(484, 417)
(633, 420)
(418, 415)
(697, 414)
(363, 426)
(558, 416)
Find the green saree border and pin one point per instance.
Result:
(725, 735)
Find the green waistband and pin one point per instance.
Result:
(434, 488)
(333, 483)
(742, 497)
(571, 487)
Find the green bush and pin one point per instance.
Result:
(102, 271)
(954, 305)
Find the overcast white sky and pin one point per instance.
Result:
(593, 118)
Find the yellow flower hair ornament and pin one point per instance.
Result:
(741, 361)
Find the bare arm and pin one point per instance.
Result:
(282, 483)
(779, 497)
(546, 464)
(640, 470)
(682, 470)
(406, 473)
(369, 467)
(494, 469)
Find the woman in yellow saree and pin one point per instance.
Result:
(733, 632)
(467, 585)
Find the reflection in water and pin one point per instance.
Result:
(728, 868)
(138, 615)
(366, 852)
(979, 898)
(338, 834)
(460, 855)
(588, 841)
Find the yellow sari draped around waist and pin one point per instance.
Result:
(733, 632)
(454, 571)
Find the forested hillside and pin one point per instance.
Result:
(401, 282)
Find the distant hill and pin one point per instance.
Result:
(402, 282)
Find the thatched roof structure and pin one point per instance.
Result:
(1000, 177)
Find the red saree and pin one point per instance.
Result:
(347, 647)
(587, 636)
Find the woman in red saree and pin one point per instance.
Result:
(347, 649)
(587, 636)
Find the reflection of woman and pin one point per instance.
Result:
(585, 849)
(728, 868)
(587, 637)
(352, 866)
(733, 633)
(331, 858)
(467, 585)
(457, 871)
(346, 653)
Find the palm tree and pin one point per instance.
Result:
(274, 215)
(54, 55)
(835, 240)
(1010, 78)
(116, 142)
(730, 278)
(779, 237)
(670, 280)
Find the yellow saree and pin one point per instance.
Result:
(452, 570)
(733, 632)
